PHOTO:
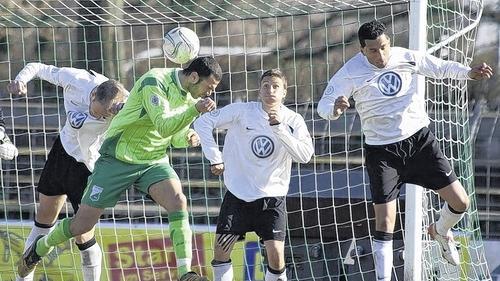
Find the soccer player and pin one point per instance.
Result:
(399, 146)
(8, 151)
(262, 140)
(161, 106)
(90, 101)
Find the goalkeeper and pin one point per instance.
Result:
(161, 106)
(8, 151)
(399, 146)
(90, 101)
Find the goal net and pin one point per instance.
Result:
(330, 217)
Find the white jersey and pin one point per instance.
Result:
(81, 134)
(257, 157)
(386, 98)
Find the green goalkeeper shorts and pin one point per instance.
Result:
(111, 177)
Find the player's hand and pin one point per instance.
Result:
(341, 104)
(274, 118)
(205, 105)
(17, 88)
(8, 151)
(193, 138)
(217, 169)
(480, 72)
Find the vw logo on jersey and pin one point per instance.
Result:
(262, 146)
(389, 83)
(76, 119)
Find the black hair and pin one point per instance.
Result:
(370, 31)
(204, 66)
(275, 73)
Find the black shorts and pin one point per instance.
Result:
(265, 216)
(63, 175)
(417, 160)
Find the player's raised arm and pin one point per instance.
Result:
(434, 67)
(55, 75)
(221, 119)
(167, 121)
(335, 99)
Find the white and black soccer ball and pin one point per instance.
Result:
(181, 45)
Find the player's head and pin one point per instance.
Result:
(272, 87)
(107, 99)
(203, 75)
(375, 44)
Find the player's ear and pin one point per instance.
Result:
(194, 77)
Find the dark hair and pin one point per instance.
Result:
(370, 31)
(274, 73)
(109, 90)
(204, 66)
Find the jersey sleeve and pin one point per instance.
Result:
(339, 85)
(180, 139)
(58, 76)
(433, 67)
(167, 121)
(296, 139)
(222, 118)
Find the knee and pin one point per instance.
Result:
(180, 201)
(384, 224)
(275, 258)
(221, 254)
(461, 205)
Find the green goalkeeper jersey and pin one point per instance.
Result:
(157, 114)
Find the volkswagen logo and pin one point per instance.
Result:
(262, 146)
(76, 119)
(389, 83)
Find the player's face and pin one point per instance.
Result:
(377, 51)
(108, 109)
(204, 87)
(272, 90)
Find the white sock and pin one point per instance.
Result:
(223, 271)
(91, 263)
(35, 231)
(275, 276)
(447, 219)
(382, 256)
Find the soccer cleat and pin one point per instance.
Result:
(29, 260)
(192, 276)
(446, 243)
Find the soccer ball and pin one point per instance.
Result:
(181, 45)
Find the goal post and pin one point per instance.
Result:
(414, 193)
(330, 216)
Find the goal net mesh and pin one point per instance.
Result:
(330, 217)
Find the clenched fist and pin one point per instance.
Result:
(205, 105)
(274, 118)
(193, 138)
(17, 88)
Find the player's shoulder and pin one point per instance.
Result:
(400, 53)
(352, 66)
(291, 114)
(157, 77)
(76, 76)
(242, 106)
(160, 73)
